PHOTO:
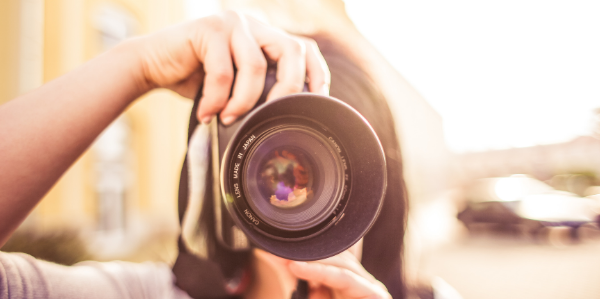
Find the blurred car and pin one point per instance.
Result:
(523, 203)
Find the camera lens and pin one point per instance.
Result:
(303, 176)
(293, 178)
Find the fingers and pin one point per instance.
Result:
(320, 292)
(291, 70)
(348, 261)
(290, 54)
(219, 76)
(189, 87)
(340, 280)
(343, 274)
(234, 39)
(298, 58)
(319, 77)
(250, 76)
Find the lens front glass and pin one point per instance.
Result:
(286, 177)
(293, 178)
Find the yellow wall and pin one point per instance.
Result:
(70, 202)
(158, 121)
(9, 41)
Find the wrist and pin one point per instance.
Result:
(129, 53)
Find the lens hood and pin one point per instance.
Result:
(337, 152)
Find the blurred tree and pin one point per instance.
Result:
(62, 247)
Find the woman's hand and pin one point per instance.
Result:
(207, 50)
(340, 276)
(63, 117)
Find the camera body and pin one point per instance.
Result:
(302, 177)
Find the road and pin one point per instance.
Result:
(500, 268)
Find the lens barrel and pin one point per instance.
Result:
(304, 176)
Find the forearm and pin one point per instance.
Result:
(43, 132)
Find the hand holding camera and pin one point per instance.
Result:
(71, 111)
(302, 177)
(204, 52)
(338, 277)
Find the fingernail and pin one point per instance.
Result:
(227, 120)
(325, 89)
(207, 119)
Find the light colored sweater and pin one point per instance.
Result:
(22, 276)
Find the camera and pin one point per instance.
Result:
(302, 176)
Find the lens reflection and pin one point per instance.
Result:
(286, 176)
(293, 178)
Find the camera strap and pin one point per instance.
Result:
(200, 277)
(204, 277)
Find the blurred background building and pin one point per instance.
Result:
(121, 194)
(501, 89)
(546, 162)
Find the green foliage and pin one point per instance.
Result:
(61, 247)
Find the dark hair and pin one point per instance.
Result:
(382, 245)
